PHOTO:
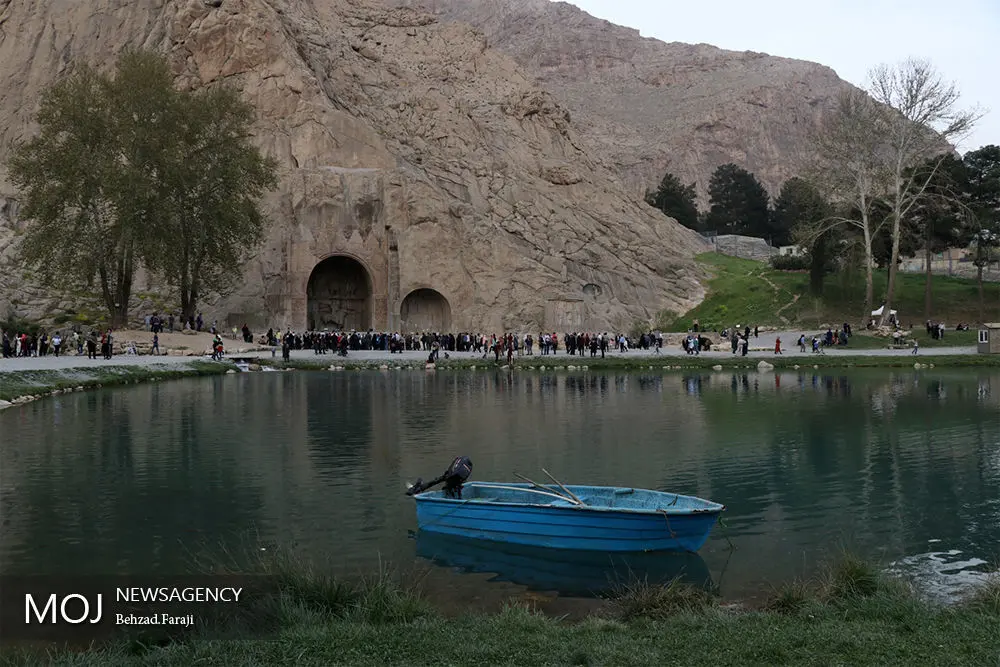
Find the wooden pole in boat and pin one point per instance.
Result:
(490, 485)
(537, 485)
(571, 494)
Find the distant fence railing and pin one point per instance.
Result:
(951, 267)
(756, 248)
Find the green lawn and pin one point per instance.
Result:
(853, 616)
(862, 340)
(520, 638)
(748, 293)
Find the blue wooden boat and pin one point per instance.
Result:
(590, 518)
(573, 573)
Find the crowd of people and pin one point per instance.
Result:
(76, 341)
(42, 344)
(169, 323)
(509, 344)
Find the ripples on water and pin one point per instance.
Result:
(943, 576)
(134, 480)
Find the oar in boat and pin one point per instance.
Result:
(571, 494)
(490, 485)
(540, 486)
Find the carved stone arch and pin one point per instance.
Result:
(340, 294)
(425, 309)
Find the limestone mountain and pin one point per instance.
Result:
(428, 182)
(649, 105)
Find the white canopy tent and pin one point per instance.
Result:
(881, 309)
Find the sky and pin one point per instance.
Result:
(960, 37)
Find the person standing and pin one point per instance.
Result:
(777, 345)
(155, 350)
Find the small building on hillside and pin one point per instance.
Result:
(989, 338)
(791, 251)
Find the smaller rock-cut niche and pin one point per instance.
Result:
(591, 289)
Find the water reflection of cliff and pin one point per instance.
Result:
(130, 479)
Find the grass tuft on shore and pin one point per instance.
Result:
(307, 590)
(851, 577)
(986, 599)
(640, 599)
(791, 598)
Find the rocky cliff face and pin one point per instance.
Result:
(448, 187)
(651, 106)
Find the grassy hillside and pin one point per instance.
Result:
(751, 293)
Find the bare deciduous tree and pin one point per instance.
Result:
(850, 170)
(920, 119)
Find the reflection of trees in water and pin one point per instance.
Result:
(120, 485)
(911, 473)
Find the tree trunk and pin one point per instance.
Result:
(192, 269)
(193, 295)
(817, 266)
(189, 296)
(869, 277)
(979, 278)
(106, 293)
(928, 276)
(893, 260)
(187, 308)
(123, 290)
(187, 303)
(120, 319)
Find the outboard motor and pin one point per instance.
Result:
(453, 478)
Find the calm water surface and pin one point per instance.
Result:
(904, 466)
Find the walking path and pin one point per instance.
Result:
(766, 340)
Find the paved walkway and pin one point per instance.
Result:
(766, 340)
(72, 361)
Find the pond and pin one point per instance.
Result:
(900, 466)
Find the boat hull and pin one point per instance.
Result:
(561, 525)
